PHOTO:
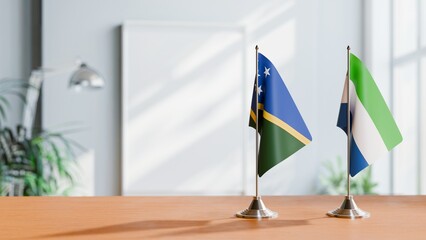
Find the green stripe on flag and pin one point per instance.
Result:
(369, 95)
(275, 146)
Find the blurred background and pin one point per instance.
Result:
(171, 115)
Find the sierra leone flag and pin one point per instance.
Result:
(374, 131)
(281, 126)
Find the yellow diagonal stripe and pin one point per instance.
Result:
(285, 127)
(253, 114)
(280, 123)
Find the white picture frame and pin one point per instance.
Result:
(184, 110)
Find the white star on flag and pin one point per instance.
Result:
(266, 72)
(259, 90)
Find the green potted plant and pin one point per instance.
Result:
(41, 164)
(333, 180)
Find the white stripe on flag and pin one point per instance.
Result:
(344, 95)
(364, 132)
(351, 93)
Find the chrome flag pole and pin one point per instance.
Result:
(348, 209)
(257, 208)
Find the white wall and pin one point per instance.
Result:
(15, 48)
(307, 39)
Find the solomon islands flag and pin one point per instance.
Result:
(374, 131)
(281, 126)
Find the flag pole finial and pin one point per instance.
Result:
(348, 48)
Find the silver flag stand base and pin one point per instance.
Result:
(349, 209)
(257, 209)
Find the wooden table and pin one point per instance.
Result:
(300, 217)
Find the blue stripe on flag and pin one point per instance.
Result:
(342, 121)
(358, 161)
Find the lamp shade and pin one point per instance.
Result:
(86, 77)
